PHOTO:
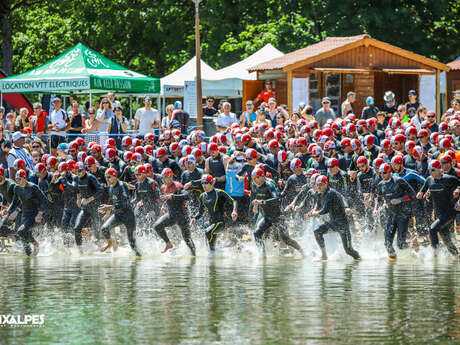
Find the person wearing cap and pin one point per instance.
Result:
(266, 204)
(174, 195)
(18, 152)
(431, 117)
(208, 109)
(370, 110)
(163, 162)
(181, 116)
(334, 204)
(306, 198)
(32, 203)
(63, 180)
(88, 190)
(118, 124)
(59, 124)
(366, 182)
(214, 201)
(443, 190)
(338, 179)
(120, 212)
(215, 165)
(390, 106)
(249, 116)
(325, 112)
(146, 118)
(294, 182)
(394, 195)
(146, 197)
(413, 104)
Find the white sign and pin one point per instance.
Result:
(173, 90)
(190, 98)
(428, 91)
(41, 85)
(299, 92)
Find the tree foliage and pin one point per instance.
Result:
(157, 37)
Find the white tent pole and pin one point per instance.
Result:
(90, 99)
(1, 99)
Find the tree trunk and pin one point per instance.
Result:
(7, 45)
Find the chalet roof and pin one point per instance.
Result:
(335, 45)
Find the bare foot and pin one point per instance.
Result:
(392, 256)
(168, 247)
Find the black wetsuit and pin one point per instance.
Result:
(214, 202)
(270, 213)
(292, 187)
(217, 170)
(397, 216)
(87, 187)
(32, 201)
(441, 191)
(149, 193)
(176, 214)
(68, 187)
(334, 204)
(366, 185)
(123, 214)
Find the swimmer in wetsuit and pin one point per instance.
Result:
(122, 212)
(214, 201)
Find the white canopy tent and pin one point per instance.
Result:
(226, 82)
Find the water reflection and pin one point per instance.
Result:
(233, 300)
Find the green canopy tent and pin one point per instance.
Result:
(80, 70)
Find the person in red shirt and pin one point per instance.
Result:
(266, 94)
(39, 119)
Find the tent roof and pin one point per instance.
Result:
(454, 65)
(187, 73)
(240, 69)
(80, 69)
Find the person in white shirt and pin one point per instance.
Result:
(59, 125)
(226, 118)
(146, 118)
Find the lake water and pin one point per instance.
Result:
(236, 297)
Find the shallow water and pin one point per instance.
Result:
(235, 297)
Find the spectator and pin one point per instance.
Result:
(23, 120)
(390, 106)
(209, 109)
(146, 118)
(402, 114)
(104, 115)
(17, 152)
(249, 116)
(118, 124)
(73, 98)
(2, 117)
(266, 94)
(370, 110)
(431, 117)
(40, 119)
(301, 107)
(181, 116)
(60, 123)
(280, 119)
(3, 162)
(382, 121)
(419, 117)
(166, 121)
(77, 122)
(37, 146)
(262, 115)
(91, 124)
(347, 105)
(307, 113)
(273, 111)
(111, 97)
(226, 118)
(325, 112)
(413, 104)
